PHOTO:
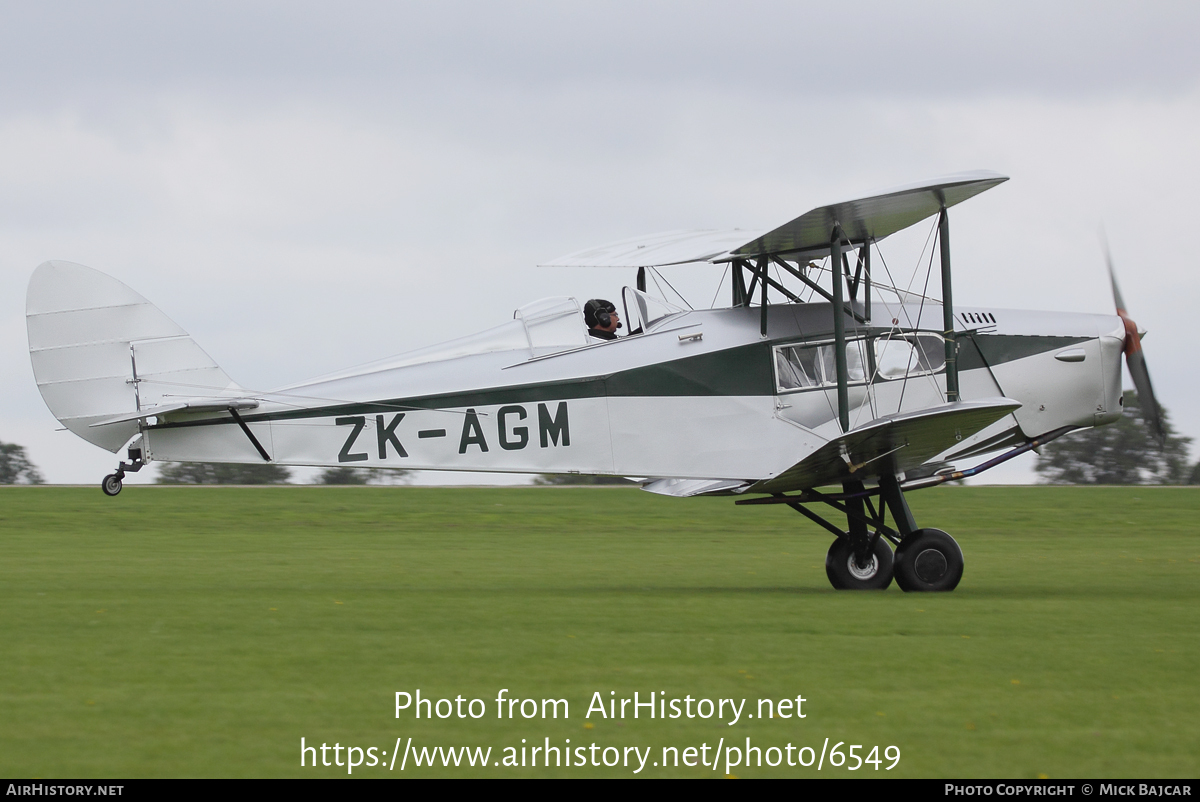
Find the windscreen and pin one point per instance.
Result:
(644, 312)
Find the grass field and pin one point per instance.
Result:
(204, 631)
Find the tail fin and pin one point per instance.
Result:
(101, 350)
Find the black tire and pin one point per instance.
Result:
(111, 484)
(928, 560)
(845, 574)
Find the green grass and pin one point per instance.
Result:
(204, 631)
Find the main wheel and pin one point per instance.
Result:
(928, 560)
(111, 484)
(846, 574)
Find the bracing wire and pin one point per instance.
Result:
(720, 284)
(677, 293)
(920, 315)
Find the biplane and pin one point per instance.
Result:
(820, 385)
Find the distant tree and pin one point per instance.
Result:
(1194, 476)
(343, 476)
(580, 479)
(219, 473)
(15, 467)
(1122, 453)
(362, 476)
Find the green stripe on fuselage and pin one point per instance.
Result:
(745, 370)
(996, 349)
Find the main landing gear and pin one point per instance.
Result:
(928, 559)
(847, 572)
(862, 558)
(112, 483)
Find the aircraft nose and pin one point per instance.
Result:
(1133, 340)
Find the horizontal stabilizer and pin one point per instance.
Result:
(870, 218)
(891, 444)
(194, 405)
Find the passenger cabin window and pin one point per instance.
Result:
(909, 355)
(800, 366)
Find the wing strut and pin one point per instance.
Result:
(762, 266)
(739, 285)
(839, 328)
(862, 273)
(891, 495)
(952, 394)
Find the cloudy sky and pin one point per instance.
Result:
(306, 186)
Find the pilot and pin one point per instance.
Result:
(601, 318)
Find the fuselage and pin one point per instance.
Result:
(698, 394)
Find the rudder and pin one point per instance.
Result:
(100, 350)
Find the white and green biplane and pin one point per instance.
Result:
(818, 384)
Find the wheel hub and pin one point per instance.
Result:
(864, 571)
(930, 565)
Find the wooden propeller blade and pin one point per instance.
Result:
(1135, 360)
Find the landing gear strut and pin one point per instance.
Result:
(926, 559)
(112, 483)
(861, 559)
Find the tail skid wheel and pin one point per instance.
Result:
(111, 484)
(928, 560)
(845, 573)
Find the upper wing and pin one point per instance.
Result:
(657, 250)
(870, 218)
(874, 217)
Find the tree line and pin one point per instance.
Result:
(213, 473)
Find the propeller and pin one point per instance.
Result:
(1135, 360)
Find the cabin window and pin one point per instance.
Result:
(909, 355)
(798, 367)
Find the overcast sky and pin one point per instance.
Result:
(307, 186)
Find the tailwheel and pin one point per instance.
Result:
(928, 560)
(111, 484)
(848, 573)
